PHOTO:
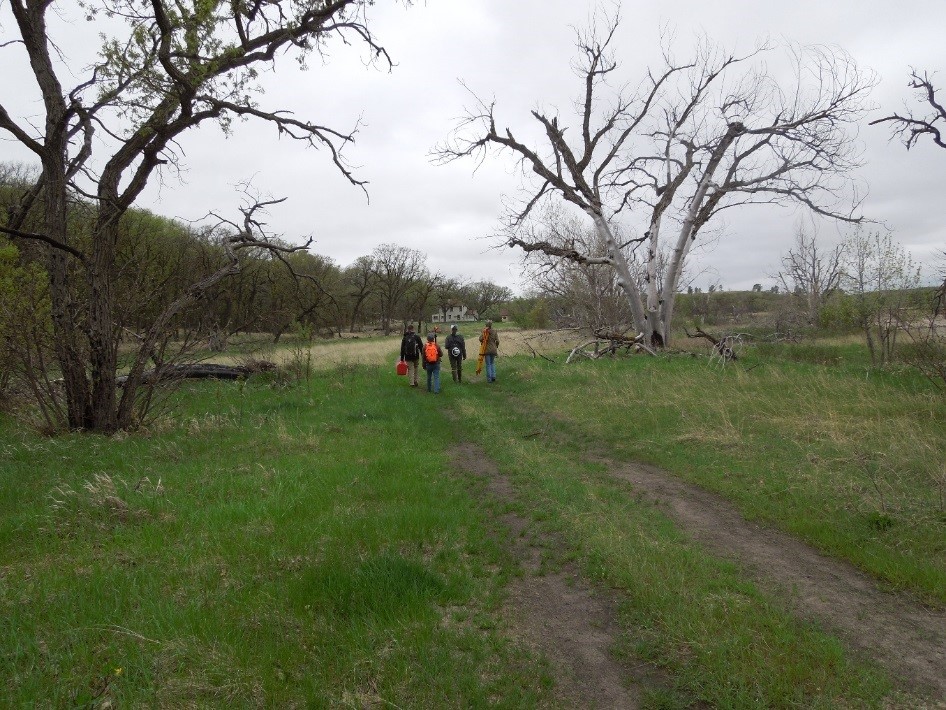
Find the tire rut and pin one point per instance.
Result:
(556, 613)
(894, 630)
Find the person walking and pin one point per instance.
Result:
(489, 349)
(456, 352)
(432, 357)
(411, 347)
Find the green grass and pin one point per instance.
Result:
(723, 640)
(311, 545)
(850, 459)
(273, 547)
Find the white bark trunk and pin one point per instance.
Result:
(687, 230)
(653, 301)
(625, 278)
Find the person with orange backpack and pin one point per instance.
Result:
(432, 357)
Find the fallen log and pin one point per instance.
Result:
(200, 371)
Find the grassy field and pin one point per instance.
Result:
(850, 459)
(280, 544)
(274, 547)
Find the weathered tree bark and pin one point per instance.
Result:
(180, 65)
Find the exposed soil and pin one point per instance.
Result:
(574, 625)
(556, 613)
(894, 630)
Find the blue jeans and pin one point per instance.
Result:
(433, 373)
(490, 368)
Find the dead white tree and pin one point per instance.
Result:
(696, 137)
(812, 271)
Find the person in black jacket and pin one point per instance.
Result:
(411, 346)
(456, 351)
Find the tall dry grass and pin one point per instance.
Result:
(329, 354)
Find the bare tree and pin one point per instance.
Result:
(910, 126)
(447, 292)
(178, 66)
(420, 298)
(483, 296)
(586, 295)
(811, 271)
(930, 341)
(396, 270)
(361, 286)
(696, 137)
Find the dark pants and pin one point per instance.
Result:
(456, 368)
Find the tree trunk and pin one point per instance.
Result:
(689, 228)
(625, 279)
(103, 336)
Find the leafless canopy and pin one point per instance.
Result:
(910, 127)
(694, 137)
(812, 271)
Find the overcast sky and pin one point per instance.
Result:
(519, 51)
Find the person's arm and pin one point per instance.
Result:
(402, 348)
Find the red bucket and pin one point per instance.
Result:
(401, 368)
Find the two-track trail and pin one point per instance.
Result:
(574, 625)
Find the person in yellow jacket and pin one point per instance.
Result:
(489, 349)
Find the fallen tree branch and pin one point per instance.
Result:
(722, 346)
(535, 353)
(200, 371)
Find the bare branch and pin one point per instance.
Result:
(54, 243)
(909, 128)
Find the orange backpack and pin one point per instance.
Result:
(430, 352)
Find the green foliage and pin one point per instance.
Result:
(24, 316)
(883, 282)
(530, 312)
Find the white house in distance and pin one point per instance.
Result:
(455, 314)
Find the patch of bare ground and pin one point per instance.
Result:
(894, 630)
(558, 614)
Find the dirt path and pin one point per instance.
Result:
(903, 636)
(574, 627)
(558, 614)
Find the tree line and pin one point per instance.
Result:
(269, 292)
(702, 132)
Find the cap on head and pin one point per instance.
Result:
(453, 327)
(489, 323)
(430, 337)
